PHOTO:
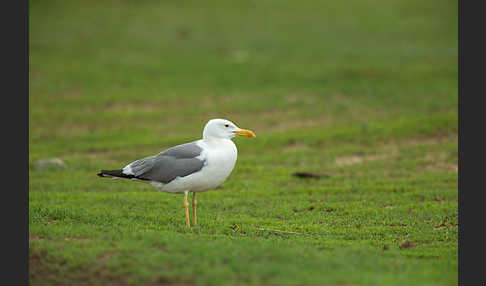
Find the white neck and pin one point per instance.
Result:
(215, 140)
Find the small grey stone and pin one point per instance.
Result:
(50, 163)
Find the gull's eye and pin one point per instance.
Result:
(226, 125)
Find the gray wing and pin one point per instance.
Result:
(178, 161)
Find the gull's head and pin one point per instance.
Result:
(224, 129)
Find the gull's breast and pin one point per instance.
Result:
(220, 162)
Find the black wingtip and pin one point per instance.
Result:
(115, 173)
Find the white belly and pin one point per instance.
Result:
(220, 156)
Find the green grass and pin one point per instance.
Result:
(364, 92)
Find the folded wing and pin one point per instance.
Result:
(178, 161)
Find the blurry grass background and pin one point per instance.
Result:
(364, 92)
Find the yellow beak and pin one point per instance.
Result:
(244, 132)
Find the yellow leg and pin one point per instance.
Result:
(194, 203)
(186, 206)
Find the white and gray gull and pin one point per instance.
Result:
(196, 166)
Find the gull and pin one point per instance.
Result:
(195, 167)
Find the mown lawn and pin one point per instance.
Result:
(361, 92)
